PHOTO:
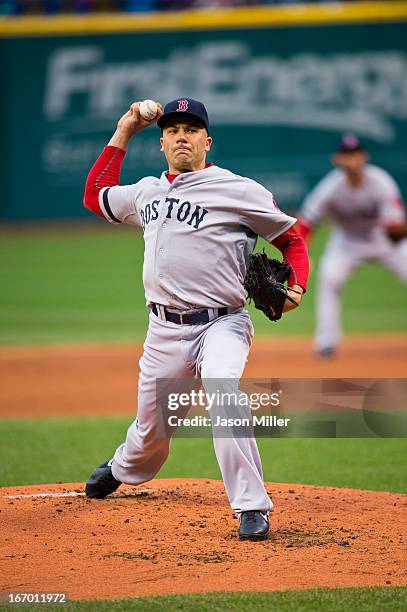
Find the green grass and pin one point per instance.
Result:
(384, 599)
(67, 449)
(76, 285)
(84, 284)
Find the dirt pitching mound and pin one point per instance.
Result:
(179, 536)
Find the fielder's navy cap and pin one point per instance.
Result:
(186, 107)
(349, 143)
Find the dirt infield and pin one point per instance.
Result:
(102, 379)
(179, 536)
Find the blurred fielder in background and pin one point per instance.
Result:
(364, 203)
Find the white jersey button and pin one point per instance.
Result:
(161, 250)
(164, 224)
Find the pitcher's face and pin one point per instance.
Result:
(185, 145)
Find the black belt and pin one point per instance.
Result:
(190, 318)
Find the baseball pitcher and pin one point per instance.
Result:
(200, 224)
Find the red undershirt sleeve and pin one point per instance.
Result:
(304, 228)
(295, 254)
(104, 173)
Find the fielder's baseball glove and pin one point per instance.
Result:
(397, 232)
(265, 284)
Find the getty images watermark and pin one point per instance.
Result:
(218, 401)
(328, 408)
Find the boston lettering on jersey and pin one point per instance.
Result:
(184, 212)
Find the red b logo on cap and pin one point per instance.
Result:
(182, 105)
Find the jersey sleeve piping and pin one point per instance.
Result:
(105, 206)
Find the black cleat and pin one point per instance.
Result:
(254, 525)
(102, 482)
(327, 352)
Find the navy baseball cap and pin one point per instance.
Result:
(187, 107)
(349, 143)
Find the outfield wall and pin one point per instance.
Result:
(280, 83)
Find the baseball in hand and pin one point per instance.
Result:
(148, 109)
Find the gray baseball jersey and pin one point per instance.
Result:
(199, 231)
(360, 212)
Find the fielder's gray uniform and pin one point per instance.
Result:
(198, 233)
(360, 215)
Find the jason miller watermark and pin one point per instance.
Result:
(327, 408)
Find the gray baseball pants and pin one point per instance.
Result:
(342, 257)
(215, 350)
